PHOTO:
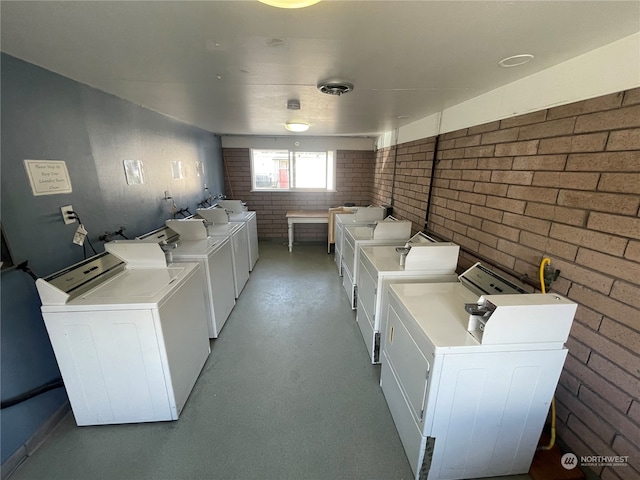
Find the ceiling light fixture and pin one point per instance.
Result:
(289, 3)
(515, 60)
(296, 126)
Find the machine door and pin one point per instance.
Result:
(220, 279)
(410, 365)
(367, 289)
(338, 237)
(252, 226)
(348, 254)
(241, 256)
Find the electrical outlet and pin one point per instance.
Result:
(67, 217)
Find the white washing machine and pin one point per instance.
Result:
(421, 260)
(215, 258)
(469, 376)
(250, 219)
(388, 232)
(236, 232)
(245, 216)
(129, 333)
(360, 216)
(195, 229)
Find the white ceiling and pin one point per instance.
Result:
(230, 66)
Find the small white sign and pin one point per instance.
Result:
(134, 172)
(48, 177)
(200, 169)
(177, 170)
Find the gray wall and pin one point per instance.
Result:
(49, 117)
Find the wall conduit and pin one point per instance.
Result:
(395, 159)
(433, 171)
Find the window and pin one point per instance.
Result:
(287, 170)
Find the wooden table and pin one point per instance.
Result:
(305, 216)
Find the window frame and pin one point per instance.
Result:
(291, 161)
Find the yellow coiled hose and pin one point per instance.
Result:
(552, 441)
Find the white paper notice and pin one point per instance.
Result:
(48, 177)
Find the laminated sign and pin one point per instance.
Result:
(48, 177)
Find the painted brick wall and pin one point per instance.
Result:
(354, 181)
(563, 183)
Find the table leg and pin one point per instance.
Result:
(290, 236)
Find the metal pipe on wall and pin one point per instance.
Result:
(395, 159)
(433, 170)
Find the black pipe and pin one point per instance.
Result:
(56, 383)
(53, 384)
(522, 277)
(393, 176)
(25, 268)
(433, 171)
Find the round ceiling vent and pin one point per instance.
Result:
(335, 88)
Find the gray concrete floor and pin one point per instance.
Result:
(287, 393)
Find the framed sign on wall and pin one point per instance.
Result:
(48, 177)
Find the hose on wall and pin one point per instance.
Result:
(53, 384)
(543, 288)
(34, 392)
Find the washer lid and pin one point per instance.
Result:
(197, 248)
(242, 216)
(143, 283)
(360, 232)
(427, 257)
(224, 229)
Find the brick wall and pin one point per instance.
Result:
(563, 183)
(409, 184)
(354, 180)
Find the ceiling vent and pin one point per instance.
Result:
(335, 88)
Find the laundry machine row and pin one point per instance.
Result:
(130, 326)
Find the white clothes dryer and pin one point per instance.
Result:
(360, 216)
(469, 369)
(421, 260)
(388, 232)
